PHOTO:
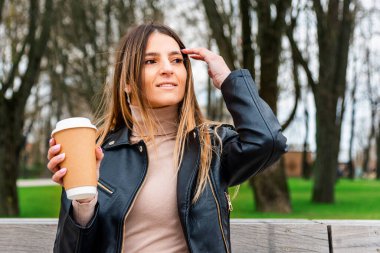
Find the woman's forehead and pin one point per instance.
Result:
(159, 43)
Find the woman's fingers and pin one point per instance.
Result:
(99, 154)
(197, 53)
(217, 67)
(55, 161)
(201, 53)
(58, 176)
(52, 142)
(99, 157)
(53, 151)
(197, 57)
(196, 50)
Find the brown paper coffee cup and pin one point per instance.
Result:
(77, 137)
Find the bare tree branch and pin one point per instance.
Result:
(281, 7)
(107, 13)
(29, 40)
(299, 57)
(347, 24)
(35, 54)
(318, 8)
(248, 51)
(1, 10)
(12, 74)
(263, 12)
(333, 6)
(216, 25)
(320, 13)
(227, 19)
(297, 88)
(125, 15)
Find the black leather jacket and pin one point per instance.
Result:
(256, 143)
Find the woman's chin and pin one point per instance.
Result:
(164, 104)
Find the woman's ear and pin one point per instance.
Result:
(127, 90)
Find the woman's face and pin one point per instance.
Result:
(164, 72)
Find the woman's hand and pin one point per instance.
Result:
(217, 67)
(55, 159)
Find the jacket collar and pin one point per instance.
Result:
(120, 136)
(117, 137)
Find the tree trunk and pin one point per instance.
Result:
(326, 163)
(334, 27)
(1, 9)
(12, 109)
(270, 187)
(267, 197)
(306, 166)
(351, 165)
(10, 139)
(366, 154)
(371, 137)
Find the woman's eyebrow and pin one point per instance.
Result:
(157, 54)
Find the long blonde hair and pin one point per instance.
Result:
(115, 110)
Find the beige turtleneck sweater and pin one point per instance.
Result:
(153, 223)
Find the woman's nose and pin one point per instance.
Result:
(166, 67)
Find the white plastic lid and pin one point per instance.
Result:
(81, 192)
(72, 123)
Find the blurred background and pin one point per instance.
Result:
(316, 63)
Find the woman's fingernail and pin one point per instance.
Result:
(51, 141)
(63, 170)
(61, 156)
(100, 149)
(56, 147)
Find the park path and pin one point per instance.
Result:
(35, 182)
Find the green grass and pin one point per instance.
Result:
(39, 202)
(359, 199)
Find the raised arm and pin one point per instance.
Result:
(258, 141)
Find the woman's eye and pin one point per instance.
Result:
(178, 60)
(149, 61)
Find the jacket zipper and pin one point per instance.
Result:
(131, 206)
(105, 188)
(219, 216)
(230, 207)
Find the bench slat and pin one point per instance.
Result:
(21, 238)
(247, 235)
(264, 237)
(355, 239)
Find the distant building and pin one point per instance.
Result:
(293, 162)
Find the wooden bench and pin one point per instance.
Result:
(247, 235)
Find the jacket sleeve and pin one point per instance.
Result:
(258, 141)
(72, 237)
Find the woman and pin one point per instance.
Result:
(164, 170)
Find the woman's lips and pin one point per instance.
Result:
(167, 86)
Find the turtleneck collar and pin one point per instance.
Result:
(166, 117)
